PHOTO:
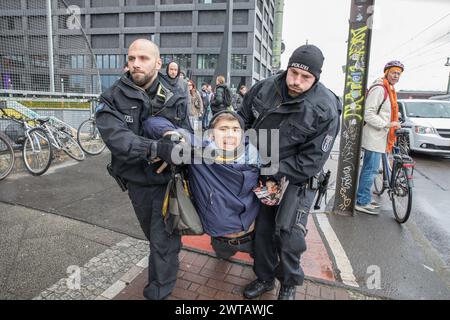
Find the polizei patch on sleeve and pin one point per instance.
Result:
(327, 143)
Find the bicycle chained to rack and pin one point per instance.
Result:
(88, 136)
(397, 177)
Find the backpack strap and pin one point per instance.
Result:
(385, 95)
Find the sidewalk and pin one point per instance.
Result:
(202, 276)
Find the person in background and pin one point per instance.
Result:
(196, 104)
(173, 71)
(219, 101)
(378, 135)
(238, 97)
(206, 98)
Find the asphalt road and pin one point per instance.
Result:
(413, 258)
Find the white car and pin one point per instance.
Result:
(429, 124)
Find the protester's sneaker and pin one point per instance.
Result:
(375, 204)
(366, 209)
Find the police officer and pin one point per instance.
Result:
(306, 114)
(138, 94)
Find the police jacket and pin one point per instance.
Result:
(307, 125)
(120, 114)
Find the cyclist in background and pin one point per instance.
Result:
(378, 136)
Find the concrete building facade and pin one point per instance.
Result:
(188, 31)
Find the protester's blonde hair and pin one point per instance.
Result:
(221, 79)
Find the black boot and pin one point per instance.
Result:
(286, 293)
(258, 287)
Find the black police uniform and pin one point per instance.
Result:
(308, 125)
(120, 113)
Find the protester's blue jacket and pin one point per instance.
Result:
(222, 193)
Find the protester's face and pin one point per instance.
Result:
(210, 89)
(181, 76)
(204, 87)
(243, 90)
(298, 81)
(143, 63)
(393, 76)
(173, 70)
(227, 134)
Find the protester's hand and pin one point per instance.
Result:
(162, 167)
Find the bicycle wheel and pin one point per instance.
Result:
(69, 145)
(378, 182)
(37, 152)
(401, 196)
(89, 138)
(7, 156)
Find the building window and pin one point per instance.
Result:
(260, 6)
(73, 62)
(76, 83)
(240, 17)
(107, 61)
(239, 62)
(264, 53)
(176, 18)
(257, 66)
(176, 1)
(139, 2)
(207, 61)
(258, 24)
(183, 60)
(211, 1)
(107, 80)
(140, 19)
(104, 3)
(258, 45)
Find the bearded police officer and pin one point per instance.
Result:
(138, 94)
(306, 114)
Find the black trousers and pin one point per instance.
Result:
(164, 248)
(278, 255)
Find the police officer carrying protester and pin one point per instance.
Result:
(140, 93)
(306, 114)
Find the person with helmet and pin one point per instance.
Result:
(378, 135)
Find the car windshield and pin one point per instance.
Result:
(432, 109)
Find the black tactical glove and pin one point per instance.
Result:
(163, 148)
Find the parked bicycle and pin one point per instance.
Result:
(61, 138)
(7, 156)
(396, 177)
(88, 136)
(35, 144)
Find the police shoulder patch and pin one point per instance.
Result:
(327, 143)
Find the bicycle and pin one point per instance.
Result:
(7, 156)
(61, 138)
(36, 147)
(88, 136)
(397, 178)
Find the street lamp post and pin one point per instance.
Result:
(447, 64)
